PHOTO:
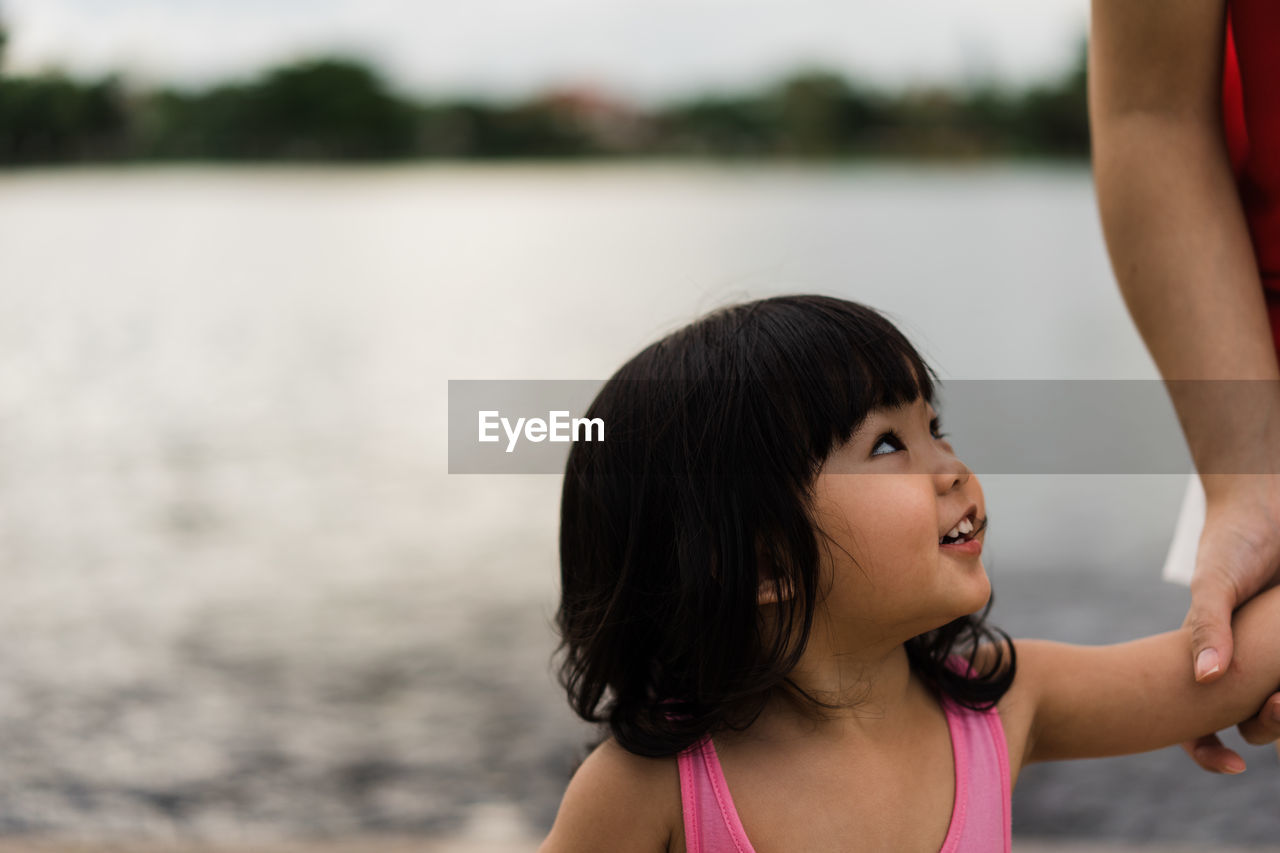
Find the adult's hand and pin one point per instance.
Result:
(1239, 556)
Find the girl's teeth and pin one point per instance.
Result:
(963, 528)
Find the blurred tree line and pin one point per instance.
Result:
(337, 109)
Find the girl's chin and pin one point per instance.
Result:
(977, 596)
(985, 598)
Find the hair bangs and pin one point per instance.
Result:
(830, 364)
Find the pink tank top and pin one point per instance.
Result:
(981, 818)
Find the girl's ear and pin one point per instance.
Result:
(768, 592)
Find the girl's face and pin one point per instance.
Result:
(886, 498)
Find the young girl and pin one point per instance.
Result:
(773, 594)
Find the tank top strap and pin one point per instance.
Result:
(711, 822)
(982, 774)
(983, 821)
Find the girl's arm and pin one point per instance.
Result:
(1092, 702)
(618, 802)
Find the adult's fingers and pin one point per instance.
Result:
(1210, 754)
(1264, 727)
(1213, 597)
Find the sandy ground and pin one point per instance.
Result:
(496, 828)
(419, 845)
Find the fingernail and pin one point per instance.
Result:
(1206, 664)
(1234, 768)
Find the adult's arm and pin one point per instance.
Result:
(1182, 256)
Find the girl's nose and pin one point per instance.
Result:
(951, 472)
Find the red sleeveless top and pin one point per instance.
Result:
(1251, 120)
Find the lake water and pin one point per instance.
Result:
(241, 597)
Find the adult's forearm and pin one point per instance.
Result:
(1182, 256)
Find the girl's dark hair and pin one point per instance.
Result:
(714, 437)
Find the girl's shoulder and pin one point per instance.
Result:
(621, 801)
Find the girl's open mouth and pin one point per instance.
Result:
(963, 538)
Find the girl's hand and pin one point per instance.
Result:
(1239, 556)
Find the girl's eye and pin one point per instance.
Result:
(888, 438)
(891, 437)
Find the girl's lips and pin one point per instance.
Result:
(973, 547)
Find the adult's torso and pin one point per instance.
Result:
(1251, 119)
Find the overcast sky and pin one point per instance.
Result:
(646, 49)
